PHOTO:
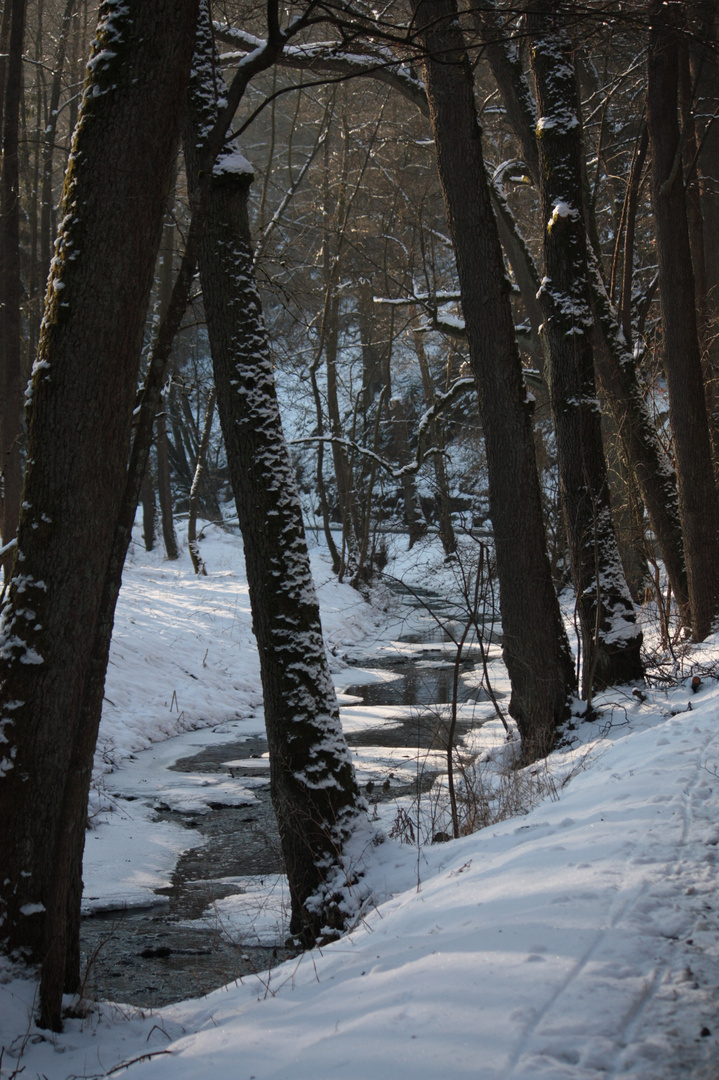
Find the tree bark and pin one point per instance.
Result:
(312, 779)
(164, 480)
(78, 784)
(535, 647)
(611, 639)
(344, 473)
(682, 360)
(197, 562)
(80, 422)
(616, 370)
(705, 78)
(692, 133)
(148, 510)
(11, 290)
(164, 485)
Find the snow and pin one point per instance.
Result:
(233, 162)
(579, 940)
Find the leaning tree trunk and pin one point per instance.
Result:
(70, 859)
(80, 422)
(611, 639)
(682, 360)
(313, 788)
(535, 646)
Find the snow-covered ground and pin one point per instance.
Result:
(579, 940)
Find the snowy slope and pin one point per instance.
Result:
(578, 941)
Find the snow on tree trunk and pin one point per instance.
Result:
(535, 646)
(615, 366)
(313, 787)
(611, 639)
(81, 403)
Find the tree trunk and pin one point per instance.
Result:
(312, 779)
(692, 146)
(11, 400)
(4, 39)
(78, 785)
(148, 510)
(319, 471)
(401, 436)
(197, 563)
(705, 78)
(627, 512)
(614, 363)
(344, 473)
(164, 486)
(611, 639)
(505, 61)
(80, 422)
(50, 138)
(535, 646)
(616, 371)
(682, 360)
(164, 481)
(444, 510)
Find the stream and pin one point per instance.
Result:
(184, 945)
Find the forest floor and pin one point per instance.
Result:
(577, 939)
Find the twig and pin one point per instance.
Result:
(134, 1061)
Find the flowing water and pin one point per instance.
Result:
(151, 957)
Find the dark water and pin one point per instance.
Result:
(420, 685)
(145, 957)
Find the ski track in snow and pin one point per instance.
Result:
(545, 1048)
